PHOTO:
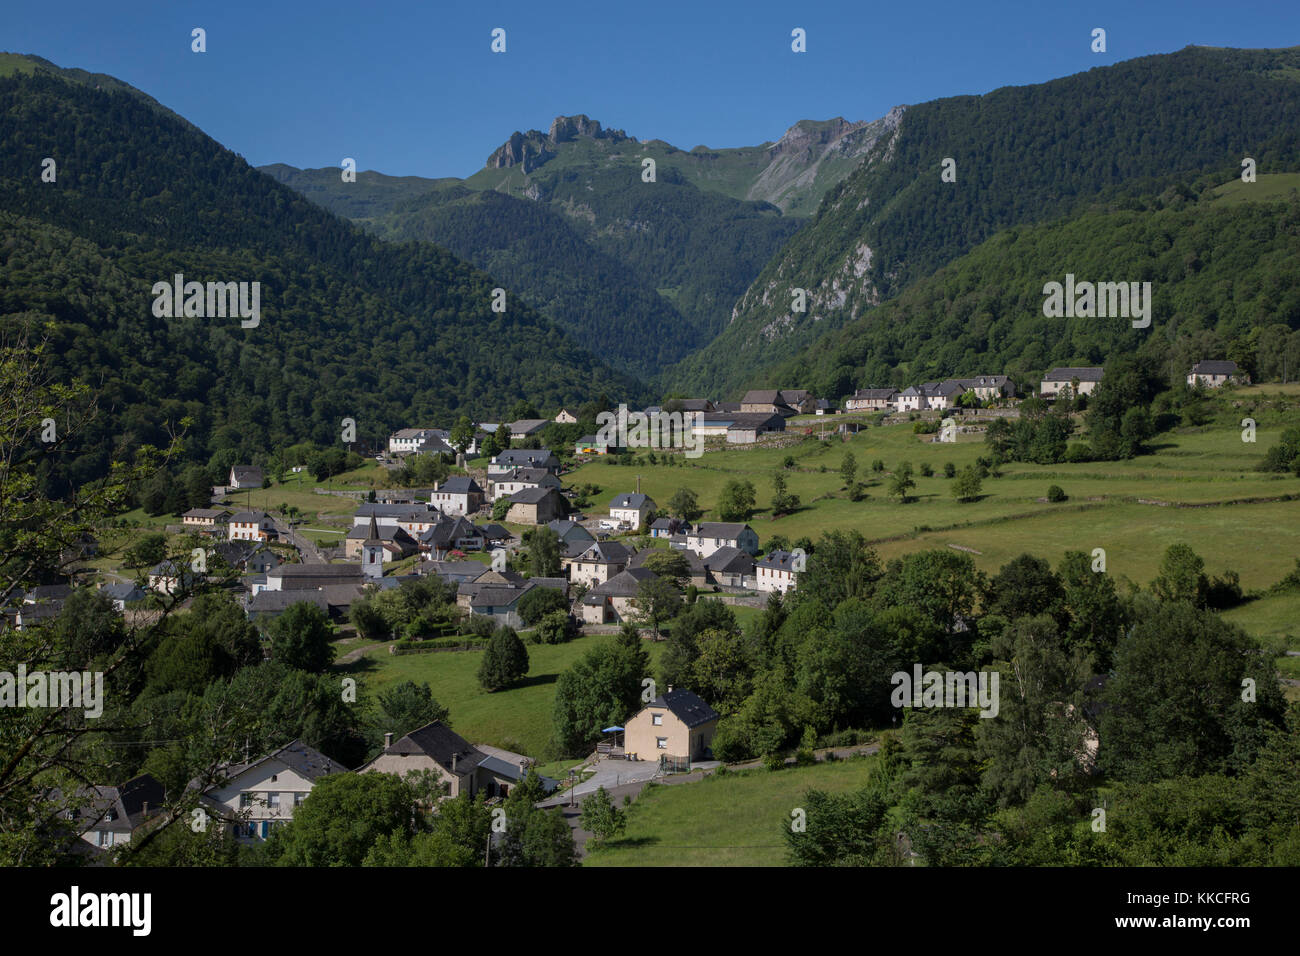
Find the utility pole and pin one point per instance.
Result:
(487, 852)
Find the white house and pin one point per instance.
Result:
(632, 507)
(1060, 380)
(512, 458)
(457, 496)
(418, 441)
(871, 400)
(520, 479)
(1212, 374)
(774, 572)
(709, 536)
(257, 797)
(250, 526)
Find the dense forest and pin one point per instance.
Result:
(388, 334)
(1022, 155)
(1224, 285)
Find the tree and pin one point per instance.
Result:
(685, 505)
(722, 674)
(524, 409)
(782, 501)
(406, 707)
(1026, 586)
(669, 564)
(499, 509)
(539, 602)
(558, 627)
(504, 661)
(534, 837)
(849, 469)
(1097, 617)
(601, 688)
(367, 618)
(736, 502)
(87, 628)
(966, 486)
(1181, 577)
(462, 434)
(902, 482)
(601, 818)
(300, 638)
(657, 600)
(148, 551)
(845, 567)
(342, 818)
(543, 546)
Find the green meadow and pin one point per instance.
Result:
(734, 819)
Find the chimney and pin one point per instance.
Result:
(670, 688)
(388, 740)
(453, 762)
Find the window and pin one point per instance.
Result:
(298, 798)
(657, 719)
(273, 799)
(245, 801)
(105, 838)
(661, 743)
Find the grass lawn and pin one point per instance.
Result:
(729, 820)
(518, 719)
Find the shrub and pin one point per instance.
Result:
(1078, 452)
(773, 761)
(1055, 493)
(949, 469)
(926, 470)
(877, 465)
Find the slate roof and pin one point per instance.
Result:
(371, 509)
(306, 761)
(719, 529)
(249, 517)
(523, 457)
(460, 485)
(624, 584)
(687, 707)
(495, 532)
(213, 513)
(531, 496)
(729, 560)
(1067, 373)
(246, 473)
(274, 602)
(127, 804)
(876, 394)
(1214, 367)
(605, 552)
(440, 743)
(632, 500)
(48, 592)
(123, 591)
(776, 560)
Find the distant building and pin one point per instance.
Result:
(709, 536)
(1060, 380)
(457, 496)
(251, 526)
(535, 506)
(676, 724)
(257, 797)
(871, 400)
(632, 507)
(565, 417)
(513, 458)
(205, 519)
(775, 572)
(1212, 373)
(246, 476)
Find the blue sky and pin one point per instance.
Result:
(412, 88)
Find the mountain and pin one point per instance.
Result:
(1022, 155)
(389, 334)
(1223, 283)
(642, 273)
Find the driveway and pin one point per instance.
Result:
(612, 775)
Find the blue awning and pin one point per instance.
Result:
(611, 730)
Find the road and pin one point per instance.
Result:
(306, 547)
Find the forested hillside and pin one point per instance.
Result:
(386, 333)
(1022, 155)
(1224, 285)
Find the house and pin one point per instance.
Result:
(264, 604)
(676, 724)
(730, 567)
(942, 395)
(1212, 373)
(122, 593)
(574, 538)
(910, 399)
(34, 615)
(745, 428)
(988, 388)
(599, 562)
(451, 534)
(457, 496)
(494, 534)
(396, 542)
(667, 527)
(527, 426)
(871, 400)
(775, 572)
(688, 405)
(709, 536)
(205, 519)
(254, 798)
(824, 406)
(785, 402)
(513, 458)
(110, 816)
(312, 577)
(251, 556)
(417, 441)
(462, 766)
(593, 445)
(48, 594)
(251, 526)
(1060, 380)
(454, 572)
(246, 476)
(565, 417)
(634, 508)
(517, 479)
(166, 578)
(414, 519)
(614, 601)
(535, 506)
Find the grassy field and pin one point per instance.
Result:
(1268, 187)
(729, 820)
(518, 719)
(1199, 487)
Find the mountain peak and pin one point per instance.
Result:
(534, 147)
